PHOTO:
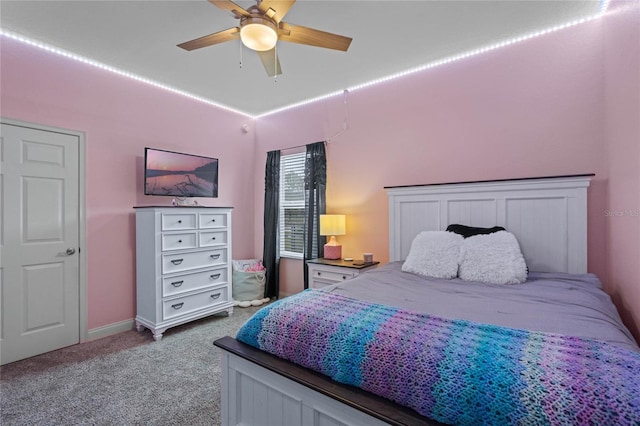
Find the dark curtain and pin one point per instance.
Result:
(271, 247)
(315, 182)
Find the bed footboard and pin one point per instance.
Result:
(260, 389)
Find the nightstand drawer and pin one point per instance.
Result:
(194, 302)
(179, 241)
(188, 282)
(178, 221)
(316, 283)
(324, 272)
(332, 276)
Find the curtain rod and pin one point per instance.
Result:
(301, 146)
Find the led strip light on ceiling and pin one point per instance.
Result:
(603, 8)
(117, 71)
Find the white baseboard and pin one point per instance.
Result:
(110, 329)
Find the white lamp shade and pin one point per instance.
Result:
(258, 36)
(332, 224)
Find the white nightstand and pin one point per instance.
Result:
(324, 272)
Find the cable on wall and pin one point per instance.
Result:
(345, 121)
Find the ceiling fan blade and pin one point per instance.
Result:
(211, 39)
(230, 6)
(275, 9)
(309, 36)
(270, 62)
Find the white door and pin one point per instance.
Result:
(39, 266)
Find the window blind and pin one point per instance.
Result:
(291, 221)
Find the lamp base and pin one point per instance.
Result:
(332, 252)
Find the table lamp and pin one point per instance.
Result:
(332, 225)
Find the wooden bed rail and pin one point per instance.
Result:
(363, 401)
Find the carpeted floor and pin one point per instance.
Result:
(125, 379)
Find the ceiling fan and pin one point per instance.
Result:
(261, 27)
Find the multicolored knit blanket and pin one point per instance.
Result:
(453, 371)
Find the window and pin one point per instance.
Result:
(292, 205)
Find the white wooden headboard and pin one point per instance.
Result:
(548, 216)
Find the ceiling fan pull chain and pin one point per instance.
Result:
(275, 63)
(241, 54)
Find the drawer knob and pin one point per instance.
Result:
(215, 296)
(215, 256)
(177, 284)
(177, 261)
(179, 241)
(215, 276)
(344, 277)
(213, 220)
(177, 306)
(180, 221)
(319, 274)
(213, 238)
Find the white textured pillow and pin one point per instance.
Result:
(493, 258)
(434, 254)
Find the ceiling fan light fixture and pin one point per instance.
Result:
(258, 34)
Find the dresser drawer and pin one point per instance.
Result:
(193, 260)
(179, 241)
(188, 282)
(194, 302)
(213, 238)
(212, 220)
(332, 276)
(178, 221)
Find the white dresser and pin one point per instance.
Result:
(183, 265)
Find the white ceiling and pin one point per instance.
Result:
(140, 37)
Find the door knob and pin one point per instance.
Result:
(70, 251)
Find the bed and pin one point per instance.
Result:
(560, 315)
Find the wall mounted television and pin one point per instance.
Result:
(175, 174)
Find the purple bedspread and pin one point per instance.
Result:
(453, 371)
(570, 304)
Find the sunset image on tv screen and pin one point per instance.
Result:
(180, 175)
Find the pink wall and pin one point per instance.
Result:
(622, 138)
(120, 117)
(531, 109)
(536, 108)
(563, 103)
